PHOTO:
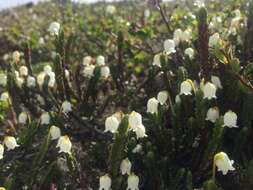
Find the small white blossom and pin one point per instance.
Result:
(110, 9)
(3, 79)
(169, 46)
(189, 52)
(105, 72)
(212, 114)
(209, 90)
(10, 142)
(223, 163)
(31, 82)
(133, 182)
(16, 56)
(55, 132)
(186, 88)
(140, 131)
(137, 149)
(156, 60)
(230, 119)
(125, 167)
(41, 78)
(89, 71)
(216, 81)
(23, 70)
(162, 97)
(66, 106)
(111, 124)
(134, 120)
(64, 144)
(4, 96)
(87, 60)
(1, 151)
(152, 106)
(22, 118)
(178, 99)
(100, 60)
(199, 3)
(47, 69)
(105, 183)
(54, 28)
(45, 118)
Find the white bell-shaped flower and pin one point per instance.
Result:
(100, 60)
(47, 69)
(209, 90)
(223, 163)
(162, 97)
(214, 40)
(52, 80)
(186, 88)
(31, 82)
(105, 72)
(212, 114)
(152, 106)
(216, 81)
(125, 167)
(134, 120)
(54, 28)
(156, 60)
(169, 46)
(10, 142)
(45, 118)
(1, 151)
(66, 106)
(3, 79)
(178, 99)
(88, 71)
(133, 182)
(55, 132)
(177, 36)
(16, 56)
(64, 144)
(186, 36)
(4, 96)
(22, 118)
(23, 70)
(189, 52)
(140, 131)
(111, 124)
(230, 119)
(105, 182)
(41, 78)
(87, 60)
(110, 9)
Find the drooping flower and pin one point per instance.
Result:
(47, 69)
(45, 118)
(137, 148)
(105, 72)
(88, 71)
(3, 79)
(230, 119)
(55, 132)
(105, 182)
(156, 60)
(162, 97)
(111, 124)
(64, 144)
(16, 56)
(140, 131)
(1, 152)
(169, 47)
(216, 81)
(4, 96)
(152, 106)
(100, 60)
(22, 118)
(212, 114)
(31, 82)
(52, 80)
(134, 120)
(10, 142)
(23, 70)
(133, 182)
(54, 28)
(66, 106)
(186, 88)
(87, 60)
(223, 163)
(110, 9)
(209, 90)
(125, 166)
(189, 52)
